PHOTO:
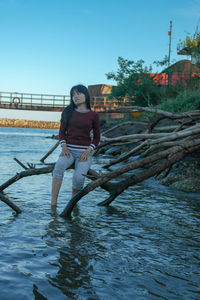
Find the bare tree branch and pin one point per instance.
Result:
(10, 203)
(170, 154)
(159, 112)
(50, 151)
(174, 136)
(126, 156)
(122, 125)
(26, 173)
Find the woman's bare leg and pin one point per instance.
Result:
(74, 192)
(62, 164)
(56, 184)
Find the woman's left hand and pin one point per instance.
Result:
(84, 155)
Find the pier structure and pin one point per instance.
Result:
(27, 101)
(100, 100)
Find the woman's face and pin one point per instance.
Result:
(78, 98)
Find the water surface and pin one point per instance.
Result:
(146, 245)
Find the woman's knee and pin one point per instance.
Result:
(61, 165)
(78, 181)
(77, 185)
(58, 172)
(81, 169)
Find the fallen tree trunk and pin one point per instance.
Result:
(10, 203)
(174, 136)
(169, 154)
(157, 111)
(26, 173)
(20, 163)
(125, 156)
(132, 137)
(162, 145)
(155, 137)
(122, 125)
(152, 139)
(50, 151)
(110, 187)
(155, 170)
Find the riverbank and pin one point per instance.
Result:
(182, 176)
(28, 124)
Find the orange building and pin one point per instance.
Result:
(99, 94)
(179, 73)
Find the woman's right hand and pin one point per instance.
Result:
(65, 151)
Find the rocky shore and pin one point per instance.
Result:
(183, 176)
(28, 124)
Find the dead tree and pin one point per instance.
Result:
(170, 156)
(10, 203)
(178, 149)
(166, 114)
(123, 125)
(110, 187)
(26, 173)
(50, 151)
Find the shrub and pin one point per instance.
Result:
(186, 100)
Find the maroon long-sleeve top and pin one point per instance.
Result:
(77, 135)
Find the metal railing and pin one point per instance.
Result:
(17, 100)
(22, 100)
(105, 103)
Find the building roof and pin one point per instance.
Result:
(183, 66)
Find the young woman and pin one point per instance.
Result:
(77, 122)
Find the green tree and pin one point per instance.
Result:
(135, 83)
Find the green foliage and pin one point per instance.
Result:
(162, 63)
(186, 100)
(191, 44)
(137, 87)
(134, 83)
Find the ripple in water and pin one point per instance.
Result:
(144, 246)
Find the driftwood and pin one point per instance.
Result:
(163, 142)
(26, 173)
(156, 111)
(110, 187)
(158, 147)
(45, 170)
(181, 142)
(153, 136)
(123, 125)
(127, 155)
(161, 139)
(49, 152)
(132, 137)
(171, 156)
(10, 203)
(29, 171)
(20, 163)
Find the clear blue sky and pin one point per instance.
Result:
(47, 46)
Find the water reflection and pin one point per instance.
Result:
(8, 216)
(73, 264)
(37, 294)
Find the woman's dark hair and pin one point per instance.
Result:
(67, 112)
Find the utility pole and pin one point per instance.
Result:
(170, 39)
